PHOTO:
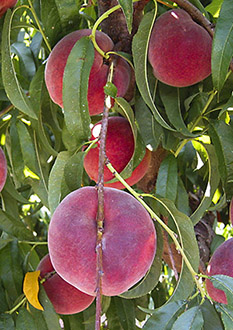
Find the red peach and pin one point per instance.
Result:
(56, 63)
(6, 4)
(231, 211)
(66, 299)
(3, 169)
(221, 262)
(129, 240)
(179, 49)
(119, 147)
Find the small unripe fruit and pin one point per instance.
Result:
(128, 241)
(221, 262)
(66, 299)
(179, 49)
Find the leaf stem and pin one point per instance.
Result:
(17, 306)
(165, 227)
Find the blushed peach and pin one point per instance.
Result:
(6, 4)
(179, 49)
(129, 240)
(66, 299)
(3, 169)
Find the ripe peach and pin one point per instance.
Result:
(6, 4)
(128, 243)
(119, 150)
(66, 299)
(179, 49)
(3, 169)
(98, 76)
(231, 211)
(221, 262)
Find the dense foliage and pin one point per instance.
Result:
(188, 187)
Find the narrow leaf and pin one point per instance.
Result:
(127, 7)
(192, 319)
(226, 315)
(12, 86)
(75, 87)
(222, 50)
(225, 283)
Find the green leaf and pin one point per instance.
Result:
(211, 317)
(140, 50)
(171, 99)
(222, 49)
(25, 321)
(167, 179)
(55, 180)
(189, 245)
(225, 283)
(26, 61)
(125, 311)
(13, 226)
(127, 7)
(12, 86)
(149, 128)
(75, 87)
(226, 315)
(27, 147)
(212, 184)
(73, 171)
(182, 198)
(152, 277)
(11, 273)
(163, 317)
(110, 89)
(6, 322)
(192, 319)
(222, 136)
(214, 7)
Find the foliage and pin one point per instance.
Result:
(44, 148)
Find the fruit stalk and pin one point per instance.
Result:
(100, 211)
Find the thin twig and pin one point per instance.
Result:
(100, 211)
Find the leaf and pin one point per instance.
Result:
(6, 322)
(73, 171)
(222, 45)
(225, 283)
(31, 288)
(164, 316)
(214, 7)
(55, 180)
(127, 7)
(212, 184)
(12, 86)
(140, 49)
(149, 128)
(167, 179)
(11, 273)
(211, 318)
(25, 320)
(182, 198)
(125, 312)
(14, 227)
(226, 315)
(75, 87)
(222, 136)
(171, 99)
(152, 277)
(192, 319)
(189, 245)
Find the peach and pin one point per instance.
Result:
(221, 262)
(231, 211)
(179, 49)
(56, 63)
(66, 299)
(119, 150)
(3, 169)
(6, 4)
(128, 242)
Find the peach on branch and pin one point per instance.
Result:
(56, 63)
(119, 150)
(128, 241)
(179, 49)
(3, 169)
(221, 262)
(66, 299)
(6, 4)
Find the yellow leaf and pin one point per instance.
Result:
(31, 288)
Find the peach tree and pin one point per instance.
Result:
(116, 164)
